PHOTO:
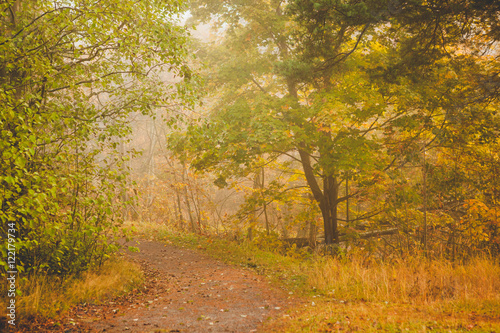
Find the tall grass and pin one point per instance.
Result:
(414, 280)
(45, 296)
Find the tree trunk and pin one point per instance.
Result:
(177, 194)
(179, 209)
(327, 199)
(253, 216)
(262, 184)
(186, 198)
(312, 234)
(125, 194)
(328, 208)
(424, 194)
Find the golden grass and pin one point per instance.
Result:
(417, 280)
(327, 316)
(44, 296)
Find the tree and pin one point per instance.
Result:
(290, 86)
(348, 89)
(70, 73)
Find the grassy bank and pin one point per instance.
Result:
(49, 297)
(356, 293)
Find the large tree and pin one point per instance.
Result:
(290, 87)
(345, 88)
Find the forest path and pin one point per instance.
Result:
(185, 291)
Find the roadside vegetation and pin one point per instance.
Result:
(47, 297)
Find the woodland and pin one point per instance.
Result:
(325, 127)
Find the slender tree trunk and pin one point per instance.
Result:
(424, 236)
(196, 205)
(329, 209)
(347, 201)
(313, 228)
(179, 209)
(186, 198)
(253, 217)
(125, 194)
(177, 193)
(151, 167)
(262, 184)
(266, 218)
(312, 233)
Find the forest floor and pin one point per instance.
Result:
(195, 283)
(185, 291)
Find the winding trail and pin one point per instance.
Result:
(185, 292)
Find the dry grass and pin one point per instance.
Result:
(416, 280)
(327, 316)
(43, 296)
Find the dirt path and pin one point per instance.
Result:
(185, 292)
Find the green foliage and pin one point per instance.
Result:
(70, 74)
